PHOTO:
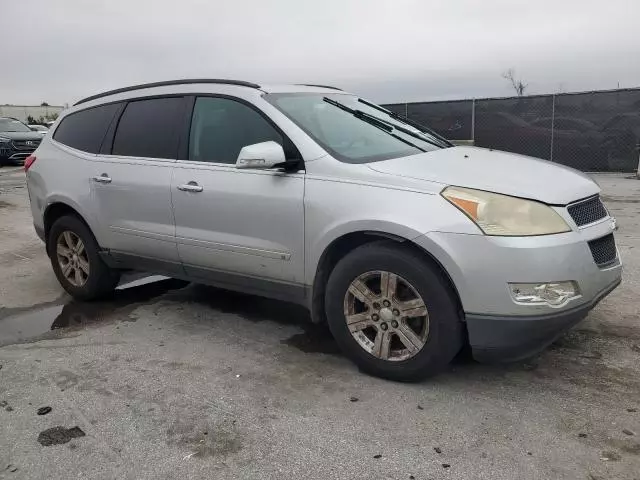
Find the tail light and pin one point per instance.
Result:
(30, 160)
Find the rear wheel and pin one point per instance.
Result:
(76, 261)
(392, 313)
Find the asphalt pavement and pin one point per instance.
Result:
(174, 380)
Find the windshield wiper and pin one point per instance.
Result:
(435, 142)
(378, 120)
(362, 115)
(408, 121)
(373, 120)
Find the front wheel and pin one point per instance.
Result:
(391, 311)
(76, 261)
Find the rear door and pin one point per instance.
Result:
(131, 179)
(231, 221)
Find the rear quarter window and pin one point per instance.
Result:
(85, 130)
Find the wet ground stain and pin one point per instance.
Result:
(41, 322)
(28, 324)
(43, 410)
(59, 435)
(220, 439)
(313, 339)
(13, 311)
(218, 442)
(4, 204)
(250, 307)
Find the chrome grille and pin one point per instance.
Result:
(587, 211)
(23, 145)
(603, 250)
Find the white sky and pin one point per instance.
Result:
(387, 50)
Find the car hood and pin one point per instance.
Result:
(21, 135)
(494, 171)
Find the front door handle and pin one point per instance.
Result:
(190, 187)
(104, 178)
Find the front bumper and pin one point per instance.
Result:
(496, 338)
(11, 154)
(482, 267)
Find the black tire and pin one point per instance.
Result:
(101, 280)
(446, 332)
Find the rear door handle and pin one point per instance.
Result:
(104, 178)
(190, 187)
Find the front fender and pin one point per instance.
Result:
(318, 245)
(334, 208)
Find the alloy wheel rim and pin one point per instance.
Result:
(72, 258)
(386, 315)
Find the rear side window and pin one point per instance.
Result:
(221, 127)
(149, 128)
(84, 130)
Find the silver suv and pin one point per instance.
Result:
(406, 245)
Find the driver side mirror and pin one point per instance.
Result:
(261, 156)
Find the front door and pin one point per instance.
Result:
(132, 184)
(246, 225)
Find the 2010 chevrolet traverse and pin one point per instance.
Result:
(403, 243)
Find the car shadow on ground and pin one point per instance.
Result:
(576, 357)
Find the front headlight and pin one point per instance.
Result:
(4, 140)
(503, 215)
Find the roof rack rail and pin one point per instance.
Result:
(168, 83)
(320, 86)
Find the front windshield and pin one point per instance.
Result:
(10, 125)
(351, 138)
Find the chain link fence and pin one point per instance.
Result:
(592, 131)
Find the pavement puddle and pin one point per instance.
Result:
(314, 339)
(41, 322)
(59, 435)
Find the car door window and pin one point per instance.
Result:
(84, 130)
(220, 127)
(149, 128)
